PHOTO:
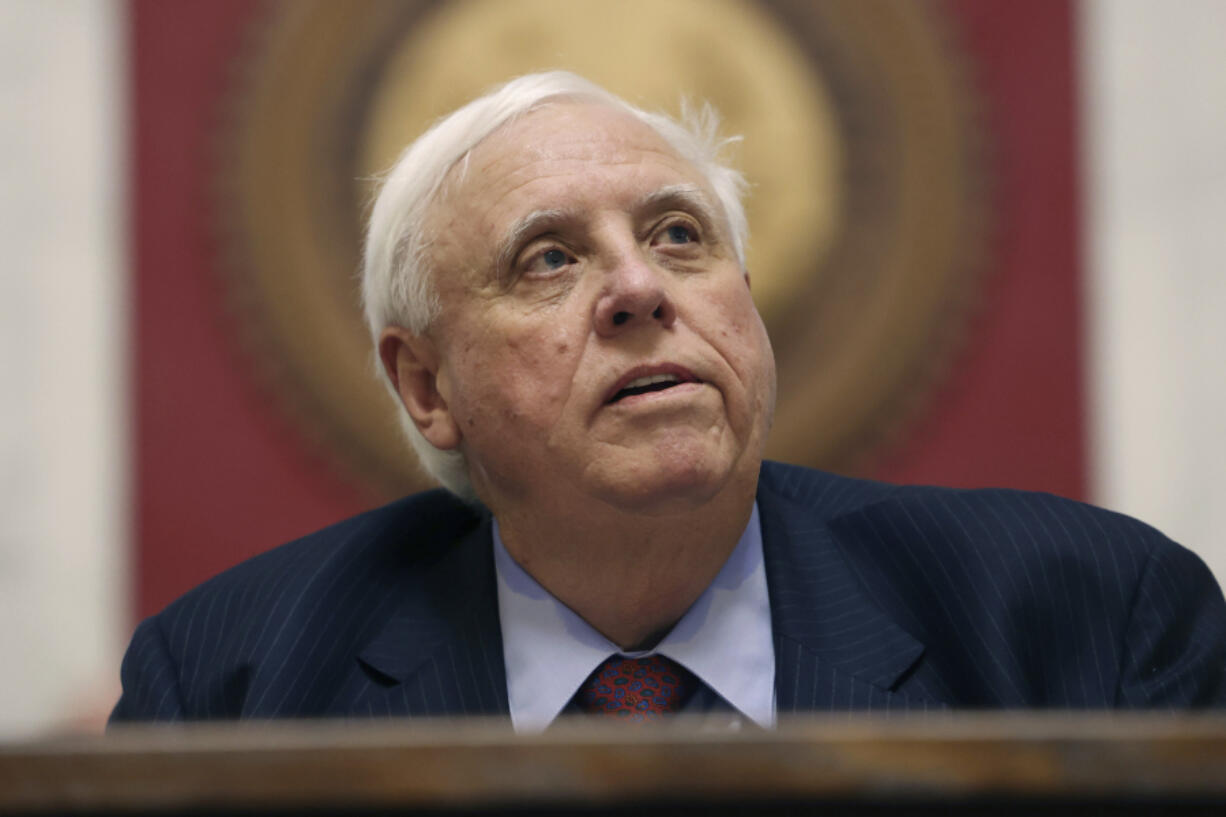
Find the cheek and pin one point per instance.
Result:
(522, 378)
(739, 326)
(747, 348)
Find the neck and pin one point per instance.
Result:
(631, 576)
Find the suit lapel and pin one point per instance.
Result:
(440, 653)
(834, 648)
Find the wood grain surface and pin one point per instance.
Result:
(470, 765)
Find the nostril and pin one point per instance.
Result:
(658, 313)
(620, 318)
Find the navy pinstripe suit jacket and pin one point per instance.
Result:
(881, 597)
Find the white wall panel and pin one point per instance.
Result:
(63, 447)
(1155, 168)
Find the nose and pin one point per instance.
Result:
(635, 294)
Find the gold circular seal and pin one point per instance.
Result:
(864, 206)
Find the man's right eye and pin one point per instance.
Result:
(545, 263)
(554, 259)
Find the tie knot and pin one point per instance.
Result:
(636, 689)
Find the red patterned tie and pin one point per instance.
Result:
(636, 689)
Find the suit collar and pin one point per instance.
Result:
(833, 645)
(441, 649)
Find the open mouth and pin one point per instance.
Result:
(650, 383)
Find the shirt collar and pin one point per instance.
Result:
(724, 638)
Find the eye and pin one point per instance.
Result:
(547, 261)
(679, 234)
(677, 239)
(554, 259)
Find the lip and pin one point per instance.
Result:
(683, 374)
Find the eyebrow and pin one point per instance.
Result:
(689, 197)
(529, 225)
(681, 197)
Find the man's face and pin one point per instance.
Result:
(597, 339)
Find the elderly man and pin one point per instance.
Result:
(556, 287)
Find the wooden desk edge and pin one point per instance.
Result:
(1069, 755)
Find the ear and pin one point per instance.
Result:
(412, 365)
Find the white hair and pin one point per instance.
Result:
(397, 288)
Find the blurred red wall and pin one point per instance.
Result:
(221, 475)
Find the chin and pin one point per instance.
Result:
(667, 484)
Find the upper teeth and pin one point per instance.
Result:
(652, 379)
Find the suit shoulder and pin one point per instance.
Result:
(959, 517)
(416, 527)
(1027, 599)
(227, 648)
(831, 493)
(1045, 521)
(1014, 543)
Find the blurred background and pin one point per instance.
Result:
(987, 241)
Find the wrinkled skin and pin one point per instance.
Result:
(574, 250)
(530, 340)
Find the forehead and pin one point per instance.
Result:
(566, 153)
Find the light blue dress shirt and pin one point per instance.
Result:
(724, 639)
